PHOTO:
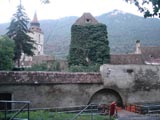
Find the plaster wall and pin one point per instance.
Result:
(140, 83)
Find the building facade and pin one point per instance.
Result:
(37, 36)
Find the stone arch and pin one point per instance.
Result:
(106, 96)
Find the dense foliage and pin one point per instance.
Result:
(54, 66)
(6, 53)
(89, 45)
(17, 31)
(45, 1)
(91, 68)
(144, 7)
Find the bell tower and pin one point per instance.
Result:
(37, 35)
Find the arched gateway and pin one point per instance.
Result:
(106, 96)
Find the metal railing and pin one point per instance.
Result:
(92, 109)
(83, 110)
(6, 111)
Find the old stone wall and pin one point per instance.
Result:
(50, 89)
(140, 83)
(48, 78)
(122, 83)
(48, 96)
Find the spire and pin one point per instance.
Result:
(35, 25)
(35, 19)
(35, 22)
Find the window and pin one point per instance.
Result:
(88, 20)
(39, 38)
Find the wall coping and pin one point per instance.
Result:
(45, 77)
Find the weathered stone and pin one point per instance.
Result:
(122, 83)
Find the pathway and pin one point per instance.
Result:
(126, 115)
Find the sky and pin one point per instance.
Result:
(62, 8)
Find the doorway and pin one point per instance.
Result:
(7, 97)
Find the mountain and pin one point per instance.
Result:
(123, 31)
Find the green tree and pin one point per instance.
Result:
(17, 31)
(45, 1)
(6, 53)
(143, 6)
(89, 45)
(54, 66)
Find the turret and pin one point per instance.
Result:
(138, 49)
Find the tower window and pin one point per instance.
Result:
(88, 20)
(39, 38)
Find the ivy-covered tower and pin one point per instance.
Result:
(89, 42)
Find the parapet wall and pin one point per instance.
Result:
(140, 83)
(50, 89)
(48, 77)
(124, 83)
(131, 76)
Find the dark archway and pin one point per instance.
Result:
(7, 97)
(106, 96)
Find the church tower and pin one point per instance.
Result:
(37, 35)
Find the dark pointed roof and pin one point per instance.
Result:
(86, 18)
(35, 19)
(35, 22)
(35, 25)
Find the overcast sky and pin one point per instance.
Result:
(61, 8)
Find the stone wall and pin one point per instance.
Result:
(139, 83)
(121, 83)
(48, 96)
(48, 77)
(50, 89)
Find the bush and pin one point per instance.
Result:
(91, 68)
(55, 66)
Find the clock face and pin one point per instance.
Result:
(39, 47)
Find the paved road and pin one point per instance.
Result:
(126, 115)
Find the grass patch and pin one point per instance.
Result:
(46, 115)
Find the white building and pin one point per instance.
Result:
(38, 37)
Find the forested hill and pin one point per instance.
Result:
(123, 31)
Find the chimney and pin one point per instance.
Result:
(138, 49)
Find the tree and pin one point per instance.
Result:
(6, 53)
(53, 66)
(155, 11)
(17, 31)
(45, 1)
(89, 45)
